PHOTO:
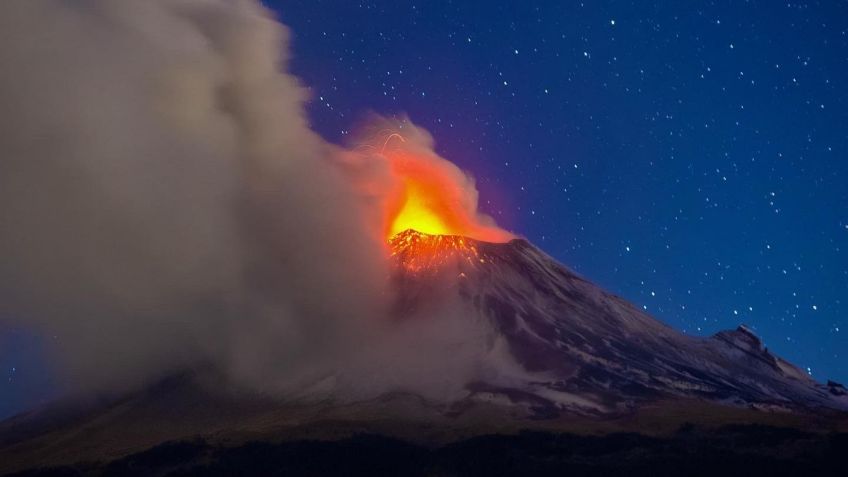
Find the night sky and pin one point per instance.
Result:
(691, 160)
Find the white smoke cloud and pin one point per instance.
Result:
(164, 205)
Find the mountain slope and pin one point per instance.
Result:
(584, 349)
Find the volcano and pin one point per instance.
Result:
(559, 355)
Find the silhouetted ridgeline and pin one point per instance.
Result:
(747, 450)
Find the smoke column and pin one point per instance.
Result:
(164, 205)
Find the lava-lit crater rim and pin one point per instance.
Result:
(414, 235)
(417, 251)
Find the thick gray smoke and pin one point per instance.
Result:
(162, 198)
(163, 205)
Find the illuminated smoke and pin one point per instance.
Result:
(421, 190)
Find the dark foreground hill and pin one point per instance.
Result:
(728, 451)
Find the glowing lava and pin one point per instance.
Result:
(419, 252)
(434, 196)
(419, 213)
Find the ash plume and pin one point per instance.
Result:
(400, 165)
(164, 205)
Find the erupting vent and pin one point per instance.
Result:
(417, 251)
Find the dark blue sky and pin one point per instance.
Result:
(691, 159)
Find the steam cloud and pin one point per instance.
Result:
(164, 205)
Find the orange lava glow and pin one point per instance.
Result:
(419, 252)
(436, 197)
(420, 212)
